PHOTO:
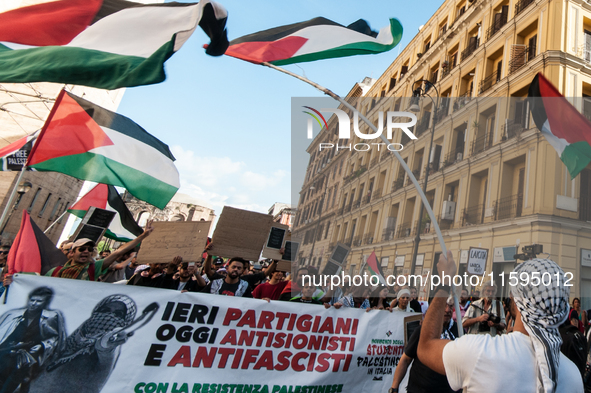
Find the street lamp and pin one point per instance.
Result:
(414, 107)
(21, 190)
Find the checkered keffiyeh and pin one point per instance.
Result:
(101, 322)
(543, 309)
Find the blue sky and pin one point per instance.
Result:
(228, 121)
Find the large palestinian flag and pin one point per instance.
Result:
(32, 251)
(123, 228)
(567, 130)
(316, 39)
(88, 142)
(102, 43)
(14, 156)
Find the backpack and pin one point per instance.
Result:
(574, 346)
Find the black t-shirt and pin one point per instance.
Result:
(415, 305)
(251, 279)
(229, 289)
(422, 379)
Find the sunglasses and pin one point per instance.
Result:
(85, 248)
(3, 252)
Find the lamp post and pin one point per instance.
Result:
(414, 107)
(20, 189)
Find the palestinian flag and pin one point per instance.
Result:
(88, 142)
(567, 130)
(32, 251)
(102, 43)
(123, 228)
(375, 268)
(316, 39)
(14, 156)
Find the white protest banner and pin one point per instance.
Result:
(100, 337)
(477, 261)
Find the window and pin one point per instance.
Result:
(34, 200)
(54, 210)
(392, 83)
(327, 228)
(45, 205)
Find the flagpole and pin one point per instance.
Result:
(56, 221)
(9, 205)
(398, 157)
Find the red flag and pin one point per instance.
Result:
(32, 251)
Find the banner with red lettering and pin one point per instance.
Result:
(59, 335)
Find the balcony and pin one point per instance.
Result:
(424, 228)
(500, 21)
(368, 239)
(423, 124)
(366, 199)
(445, 224)
(356, 241)
(388, 234)
(482, 143)
(521, 5)
(489, 82)
(404, 230)
(473, 215)
(521, 56)
(472, 46)
(442, 111)
(348, 208)
(341, 211)
(356, 204)
(376, 194)
(511, 129)
(456, 155)
(509, 207)
(462, 100)
(397, 184)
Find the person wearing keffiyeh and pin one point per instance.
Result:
(528, 359)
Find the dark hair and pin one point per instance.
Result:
(45, 292)
(184, 265)
(577, 299)
(302, 268)
(374, 297)
(238, 259)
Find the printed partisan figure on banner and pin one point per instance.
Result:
(29, 336)
(90, 353)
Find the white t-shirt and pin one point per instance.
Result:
(481, 363)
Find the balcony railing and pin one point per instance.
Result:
(366, 199)
(356, 241)
(521, 57)
(397, 184)
(509, 207)
(442, 111)
(424, 228)
(368, 238)
(388, 234)
(356, 204)
(348, 208)
(445, 224)
(489, 82)
(404, 230)
(462, 100)
(473, 215)
(511, 129)
(341, 211)
(496, 26)
(482, 143)
(376, 194)
(521, 5)
(472, 46)
(423, 124)
(456, 155)
(331, 246)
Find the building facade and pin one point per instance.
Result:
(494, 182)
(181, 207)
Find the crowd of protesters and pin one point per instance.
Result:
(485, 316)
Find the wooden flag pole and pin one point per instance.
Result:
(9, 205)
(399, 158)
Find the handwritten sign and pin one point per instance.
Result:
(174, 238)
(477, 261)
(241, 233)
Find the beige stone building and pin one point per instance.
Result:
(494, 182)
(181, 207)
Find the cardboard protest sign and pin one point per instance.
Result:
(275, 241)
(241, 233)
(168, 341)
(477, 261)
(174, 238)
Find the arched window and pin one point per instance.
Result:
(178, 217)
